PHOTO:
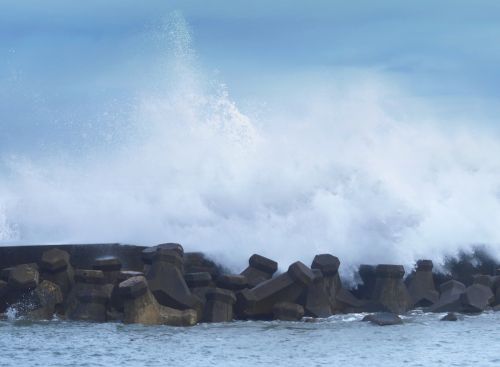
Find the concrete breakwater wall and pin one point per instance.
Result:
(165, 285)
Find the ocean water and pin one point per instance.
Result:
(344, 340)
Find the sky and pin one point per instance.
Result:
(64, 60)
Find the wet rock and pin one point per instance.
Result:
(316, 299)
(450, 316)
(390, 290)
(259, 269)
(421, 286)
(166, 281)
(449, 301)
(219, 305)
(383, 319)
(140, 306)
(476, 298)
(287, 311)
(232, 282)
(24, 277)
(258, 302)
(110, 266)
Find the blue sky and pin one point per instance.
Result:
(62, 63)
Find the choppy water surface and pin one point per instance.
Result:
(339, 341)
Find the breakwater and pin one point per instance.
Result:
(164, 284)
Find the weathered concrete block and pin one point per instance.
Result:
(4, 287)
(92, 301)
(449, 301)
(140, 306)
(258, 302)
(86, 281)
(486, 280)
(195, 280)
(383, 319)
(421, 286)
(127, 274)
(287, 311)
(54, 260)
(23, 277)
(390, 290)
(56, 268)
(5, 273)
(476, 298)
(316, 299)
(166, 282)
(89, 276)
(219, 305)
(110, 266)
(232, 282)
(197, 262)
(46, 297)
(347, 302)
(328, 265)
(259, 270)
(116, 303)
(149, 252)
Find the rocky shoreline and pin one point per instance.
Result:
(165, 285)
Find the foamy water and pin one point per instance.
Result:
(355, 168)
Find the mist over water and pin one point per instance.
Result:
(352, 166)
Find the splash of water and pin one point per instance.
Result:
(349, 170)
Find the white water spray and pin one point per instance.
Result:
(357, 173)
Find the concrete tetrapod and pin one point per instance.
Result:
(259, 269)
(55, 267)
(166, 282)
(390, 290)
(140, 306)
(449, 301)
(328, 265)
(421, 287)
(258, 302)
(219, 306)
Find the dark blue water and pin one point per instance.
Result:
(422, 340)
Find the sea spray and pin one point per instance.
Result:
(355, 169)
